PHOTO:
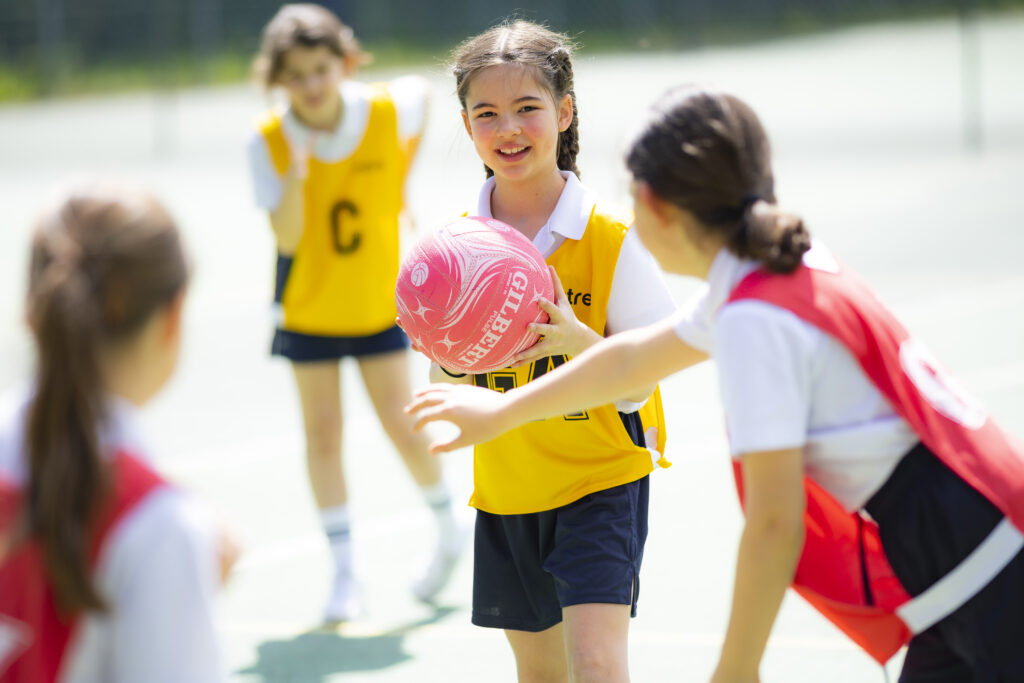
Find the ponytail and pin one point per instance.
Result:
(102, 263)
(766, 234)
(66, 475)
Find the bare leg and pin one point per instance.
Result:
(596, 642)
(540, 657)
(319, 387)
(320, 395)
(386, 376)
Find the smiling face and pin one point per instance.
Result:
(514, 122)
(311, 75)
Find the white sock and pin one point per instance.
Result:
(439, 499)
(337, 527)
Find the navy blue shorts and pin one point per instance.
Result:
(309, 348)
(929, 520)
(528, 567)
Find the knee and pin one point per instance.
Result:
(542, 672)
(323, 435)
(398, 427)
(593, 665)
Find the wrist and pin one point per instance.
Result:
(587, 339)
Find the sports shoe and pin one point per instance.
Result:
(346, 600)
(437, 573)
(439, 570)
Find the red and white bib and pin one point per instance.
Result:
(952, 425)
(33, 636)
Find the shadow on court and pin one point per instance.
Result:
(315, 655)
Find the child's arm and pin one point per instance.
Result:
(770, 546)
(564, 333)
(619, 366)
(288, 217)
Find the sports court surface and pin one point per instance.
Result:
(867, 126)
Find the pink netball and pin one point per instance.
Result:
(467, 291)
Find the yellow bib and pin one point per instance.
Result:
(342, 280)
(550, 463)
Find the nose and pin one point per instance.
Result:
(509, 126)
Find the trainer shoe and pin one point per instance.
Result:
(437, 574)
(439, 570)
(346, 600)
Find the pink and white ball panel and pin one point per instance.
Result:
(467, 291)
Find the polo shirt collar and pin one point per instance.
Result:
(568, 220)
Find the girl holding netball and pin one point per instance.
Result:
(107, 572)
(330, 169)
(561, 503)
(819, 380)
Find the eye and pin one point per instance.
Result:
(529, 107)
(484, 114)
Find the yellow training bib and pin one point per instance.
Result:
(550, 463)
(342, 280)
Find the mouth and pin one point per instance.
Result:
(513, 153)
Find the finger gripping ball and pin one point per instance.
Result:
(467, 291)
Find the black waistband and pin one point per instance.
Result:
(915, 468)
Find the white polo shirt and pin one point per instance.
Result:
(638, 295)
(158, 570)
(409, 93)
(786, 384)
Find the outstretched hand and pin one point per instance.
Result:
(477, 412)
(562, 334)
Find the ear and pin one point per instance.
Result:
(649, 199)
(171, 317)
(465, 122)
(351, 64)
(564, 113)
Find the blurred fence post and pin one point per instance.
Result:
(206, 33)
(162, 47)
(970, 72)
(50, 34)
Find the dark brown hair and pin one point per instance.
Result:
(303, 25)
(707, 153)
(103, 261)
(546, 53)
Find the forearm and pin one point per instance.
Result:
(625, 365)
(287, 220)
(768, 553)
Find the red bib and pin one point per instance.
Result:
(33, 636)
(842, 550)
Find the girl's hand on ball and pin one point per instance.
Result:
(562, 334)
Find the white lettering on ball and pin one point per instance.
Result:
(517, 290)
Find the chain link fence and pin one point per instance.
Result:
(45, 45)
